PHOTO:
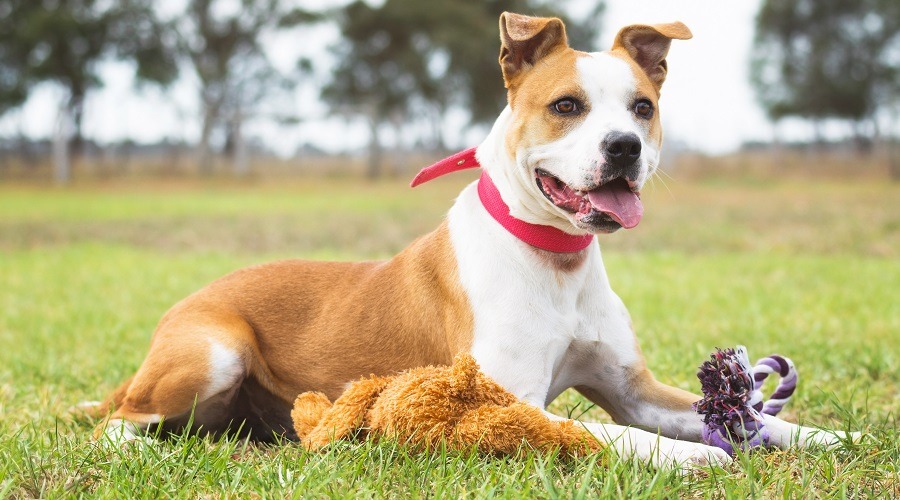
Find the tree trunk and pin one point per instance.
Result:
(437, 129)
(239, 159)
(76, 118)
(893, 158)
(861, 142)
(401, 158)
(777, 146)
(204, 155)
(373, 171)
(62, 131)
(818, 136)
(888, 143)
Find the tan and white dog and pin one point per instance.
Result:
(569, 154)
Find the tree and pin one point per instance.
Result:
(827, 59)
(409, 61)
(63, 41)
(223, 48)
(13, 60)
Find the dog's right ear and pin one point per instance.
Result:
(648, 46)
(524, 40)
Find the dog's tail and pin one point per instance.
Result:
(96, 410)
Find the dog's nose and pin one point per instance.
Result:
(621, 149)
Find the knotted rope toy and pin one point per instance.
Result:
(732, 404)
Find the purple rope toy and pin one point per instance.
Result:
(732, 404)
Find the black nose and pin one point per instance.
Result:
(621, 150)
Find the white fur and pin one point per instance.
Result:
(576, 158)
(225, 370)
(539, 331)
(610, 86)
(785, 434)
(119, 431)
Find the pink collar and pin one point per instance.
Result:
(544, 237)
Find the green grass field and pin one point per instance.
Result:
(810, 271)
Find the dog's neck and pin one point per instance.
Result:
(540, 236)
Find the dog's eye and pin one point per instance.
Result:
(565, 106)
(643, 108)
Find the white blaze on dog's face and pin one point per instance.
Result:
(582, 130)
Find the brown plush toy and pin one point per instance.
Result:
(457, 406)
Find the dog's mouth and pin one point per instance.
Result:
(605, 208)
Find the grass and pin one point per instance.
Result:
(811, 271)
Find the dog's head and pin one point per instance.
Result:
(581, 133)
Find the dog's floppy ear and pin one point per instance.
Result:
(648, 45)
(524, 40)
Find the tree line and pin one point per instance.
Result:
(402, 61)
(829, 60)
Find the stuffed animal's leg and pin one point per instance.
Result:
(309, 408)
(347, 414)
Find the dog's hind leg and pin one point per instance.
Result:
(192, 374)
(99, 409)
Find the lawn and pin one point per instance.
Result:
(809, 271)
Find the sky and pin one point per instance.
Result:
(707, 102)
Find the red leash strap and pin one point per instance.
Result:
(460, 161)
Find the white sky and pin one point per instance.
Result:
(707, 102)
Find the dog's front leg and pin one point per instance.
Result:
(654, 449)
(635, 397)
(643, 401)
(668, 429)
(529, 375)
(785, 434)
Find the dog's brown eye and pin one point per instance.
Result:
(565, 106)
(643, 108)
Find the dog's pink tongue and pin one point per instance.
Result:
(618, 201)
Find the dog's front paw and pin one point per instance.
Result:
(829, 439)
(685, 454)
(666, 453)
(785, 435)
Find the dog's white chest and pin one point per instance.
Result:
(535, 326)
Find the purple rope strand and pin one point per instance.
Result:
(733, 401)
(784, 367)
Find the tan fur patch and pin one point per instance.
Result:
(299, 326)
(533, 92)
(565, 262)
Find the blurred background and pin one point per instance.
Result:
(148, 147)
(129, 89)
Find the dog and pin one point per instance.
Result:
(513, 276)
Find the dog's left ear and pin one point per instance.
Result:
(525, 39)
(648, 45)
